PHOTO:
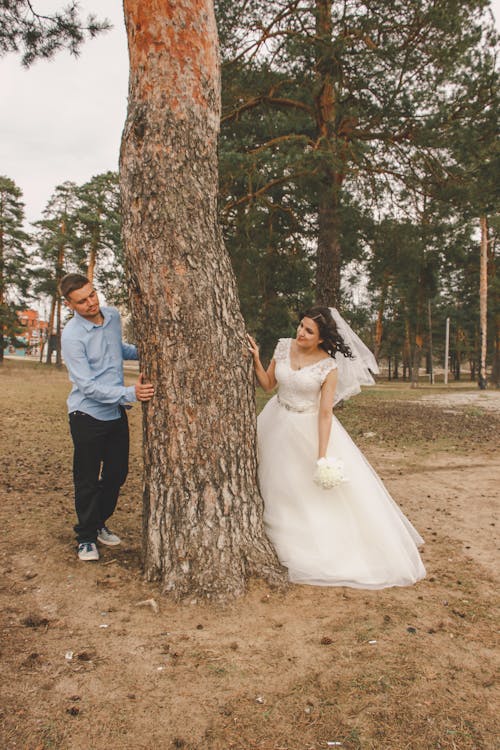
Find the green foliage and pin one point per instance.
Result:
(14, 242)
(346, 106)
(98, 234)
(58, 249)
(386, 112)
(35, 36)
(82, 227)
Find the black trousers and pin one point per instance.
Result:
(100, 467)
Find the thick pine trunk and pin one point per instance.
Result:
(329, 251)
(203, 532)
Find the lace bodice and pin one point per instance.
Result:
(299, 390)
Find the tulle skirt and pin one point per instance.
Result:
(352, 535)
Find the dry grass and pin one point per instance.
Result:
(294, 670)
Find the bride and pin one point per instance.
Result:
(352, 534)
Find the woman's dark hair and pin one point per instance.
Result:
(332, 340)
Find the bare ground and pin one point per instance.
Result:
(87, 662)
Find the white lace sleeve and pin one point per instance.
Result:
(325, 368)
(281, 350)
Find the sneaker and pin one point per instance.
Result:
(105, 536)
(88, 551)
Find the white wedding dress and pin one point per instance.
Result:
(351, 535)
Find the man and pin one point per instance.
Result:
(93, 351)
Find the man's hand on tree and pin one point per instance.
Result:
(144, 391)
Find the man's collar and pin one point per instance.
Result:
(88, 324)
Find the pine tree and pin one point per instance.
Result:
(203, 531)
(352, 96)
(59, 251)
(36, 35)
(98, 229)
(470, 189)
(14, 242)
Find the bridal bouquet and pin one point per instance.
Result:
(329, 473)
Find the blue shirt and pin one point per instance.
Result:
(94, 357)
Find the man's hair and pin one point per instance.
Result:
(71, 282)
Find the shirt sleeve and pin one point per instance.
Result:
(129, 351)
(84, 378)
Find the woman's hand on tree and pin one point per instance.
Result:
(253, 347)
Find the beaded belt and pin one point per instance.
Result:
(305, 410)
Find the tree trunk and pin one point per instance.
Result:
(203, 532)
(92, 257)
(430, 367)
(329, 252)
(407, 352)
(483, 301)
(58, 332)
(54, 342)
(379, 326)
(50, 329)
(472, 365)
(494, 289)
(416, 358)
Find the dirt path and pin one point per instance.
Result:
(489, 400)
(88, 662)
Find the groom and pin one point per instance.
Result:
(93, 351)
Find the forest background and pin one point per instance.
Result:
(314, 117)
(372, 147)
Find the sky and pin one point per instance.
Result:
(62, 119)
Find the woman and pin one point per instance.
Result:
(353, 534)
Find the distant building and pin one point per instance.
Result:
(34, 330)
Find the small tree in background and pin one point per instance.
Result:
(14, 242)
(97, 228)
(58, 250)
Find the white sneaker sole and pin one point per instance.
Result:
(108, 544)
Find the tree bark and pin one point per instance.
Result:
(493, 288)
(55, 308)
(329, 251)
(203, 532)
(483, 301)
(430, 350)
(92, 256)
(50, 328)
(58, 331)
(379, 325)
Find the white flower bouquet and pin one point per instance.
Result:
(329, 473)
